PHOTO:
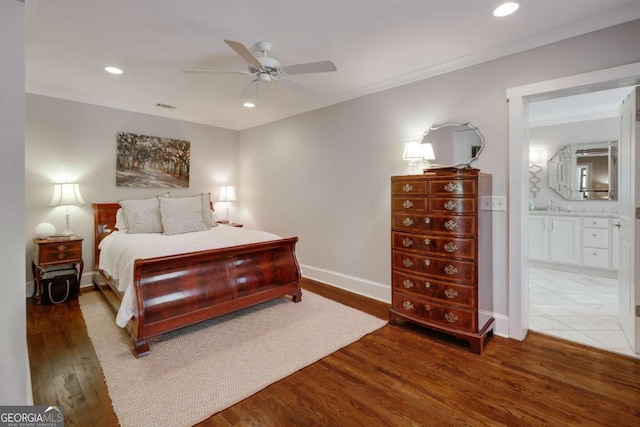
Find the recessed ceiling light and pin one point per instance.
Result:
(113, 70)
(249, 104)
(506, 9)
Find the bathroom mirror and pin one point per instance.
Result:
(454, 144)
(585, 171)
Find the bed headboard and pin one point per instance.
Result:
(104, 223)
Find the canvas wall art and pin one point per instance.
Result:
(152, 161)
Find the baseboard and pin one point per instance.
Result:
(501, 325)
(357, 285)
(85, 280)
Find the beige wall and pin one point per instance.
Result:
(324, 175)
(14, 361)
(67, 140)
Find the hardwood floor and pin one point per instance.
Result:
(396, 376)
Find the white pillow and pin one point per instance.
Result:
(141, 216)
(207, 214)
(181, 214)
(120, 224)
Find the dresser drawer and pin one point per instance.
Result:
(423, 223)
(458, 187)
(409, 186)
(595, 222)
(432, 244)
(597, 258)
(442, 268)
(59, 251)
(408, 203)
(595, 238)
(452, 293)
(442, 314)
(466, 205)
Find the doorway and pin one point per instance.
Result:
(575, 298)
(519, 103)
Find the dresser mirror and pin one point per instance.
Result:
(454, 144)
(585, 171)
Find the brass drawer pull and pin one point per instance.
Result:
(427, 262)
(407, 204)
(407, 242)
(427, 285)
(450, 270)
(427, 242)
(407, 284)
(407, 222)
(61, 247)
(451, 187)
(450, 293)
(61, 256)
(407, 262)
(451, 317)
(450, 225)
(407, 188)
(450, 205)
(427, 220)
(408, 305)
(450, 247)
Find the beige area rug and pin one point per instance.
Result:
(193, 373)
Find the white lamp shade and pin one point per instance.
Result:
(227, 194)
(428, 151)
(66, 194)
(413, 151)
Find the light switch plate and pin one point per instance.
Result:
(493, 203)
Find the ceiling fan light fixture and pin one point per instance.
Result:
(113, 70)
(505, 9)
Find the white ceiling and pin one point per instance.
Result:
(375, 45)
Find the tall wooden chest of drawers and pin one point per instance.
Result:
(441, 253)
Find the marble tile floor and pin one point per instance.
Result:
(577, 307)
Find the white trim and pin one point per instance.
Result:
(357, 285)
(519, 97)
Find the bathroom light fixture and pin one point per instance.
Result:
(113, 70)
(505, 9)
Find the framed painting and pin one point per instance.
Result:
(152, 161)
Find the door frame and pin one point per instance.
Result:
(518, 189)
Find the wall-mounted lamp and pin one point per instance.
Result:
(227, 195)
(537, 156)
(67, 195)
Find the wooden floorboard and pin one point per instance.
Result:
(397, 376)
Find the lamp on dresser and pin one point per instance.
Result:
(66, 194)
(227, 195)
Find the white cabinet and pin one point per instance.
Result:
(573, 241)
(564, 240)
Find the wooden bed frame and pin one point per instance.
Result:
(179, 290)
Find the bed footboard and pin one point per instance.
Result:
(180, 290)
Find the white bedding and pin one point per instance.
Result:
(118, 252)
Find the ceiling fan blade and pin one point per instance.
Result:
(244, 53)
(289, 84)
(215, 71)
(310, 67)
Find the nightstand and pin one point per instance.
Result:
(57, 257)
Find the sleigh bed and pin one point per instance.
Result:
(172, 291)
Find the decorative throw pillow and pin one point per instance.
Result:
(207, 214)
(120, 224)
(141, 216)
(181, 214)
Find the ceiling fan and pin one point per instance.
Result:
(266, 69)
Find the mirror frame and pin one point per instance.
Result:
(459, 165)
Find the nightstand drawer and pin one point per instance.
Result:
(56, 252)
